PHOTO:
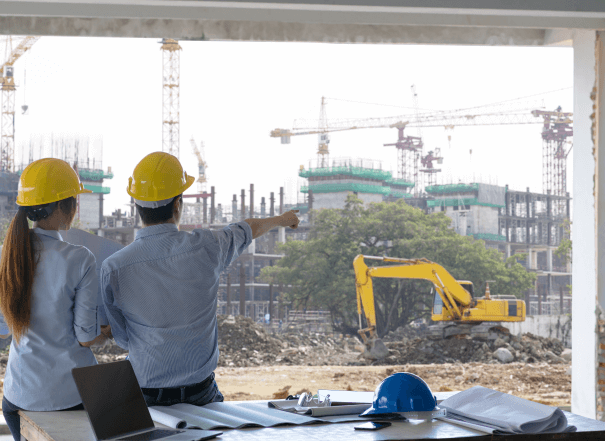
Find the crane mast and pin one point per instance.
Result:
(7, 104)
(171, 96)
(323, 154)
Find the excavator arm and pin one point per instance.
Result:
(453, 295)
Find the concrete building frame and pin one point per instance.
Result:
(474, 22)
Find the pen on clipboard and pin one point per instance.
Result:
(468, 425)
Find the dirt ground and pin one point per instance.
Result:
(541, 382)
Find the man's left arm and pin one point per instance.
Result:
(117, 322)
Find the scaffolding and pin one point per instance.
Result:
(534, 218)
(409, 149)
(83, 152)
(556, 135)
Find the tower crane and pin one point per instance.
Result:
(7, 88)
(171, 85)
(556, 128)
(202, 165)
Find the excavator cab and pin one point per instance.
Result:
(438, 302)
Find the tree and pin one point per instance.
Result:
(563, 251)
(321, 268)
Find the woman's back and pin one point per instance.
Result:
(63, 312)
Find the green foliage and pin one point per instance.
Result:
(321, 268)
(563, 251)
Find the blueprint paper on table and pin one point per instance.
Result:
(505, 413)
(225, 415)
(101, 248)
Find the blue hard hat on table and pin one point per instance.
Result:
(402, 392)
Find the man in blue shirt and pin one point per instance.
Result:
(160, 292)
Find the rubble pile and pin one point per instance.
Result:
(505, 348)
(243, 343)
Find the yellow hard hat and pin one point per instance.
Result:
(159, 176)
(48, 180)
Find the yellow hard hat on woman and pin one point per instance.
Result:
(158, 179)
(48, 180)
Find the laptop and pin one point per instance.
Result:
(116, 408)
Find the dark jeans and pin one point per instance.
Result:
(13, 420)
(197, 394)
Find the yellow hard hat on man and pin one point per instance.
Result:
(158, 179)
(48, 180)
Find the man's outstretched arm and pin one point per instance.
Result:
(261, 226)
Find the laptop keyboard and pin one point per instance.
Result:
(154, 434)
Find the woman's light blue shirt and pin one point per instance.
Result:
(64, 312)
(160, 295)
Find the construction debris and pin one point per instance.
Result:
(244, 343)
(506, 348)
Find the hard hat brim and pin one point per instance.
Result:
(190, 181)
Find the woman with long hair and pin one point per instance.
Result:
(48, 295)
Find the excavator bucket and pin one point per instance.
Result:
(375, 349)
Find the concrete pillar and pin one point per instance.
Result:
(101, 210)
(100, 233)
(234, 208)
(271, 302)
(281, 231)
(549, 259)
(251, 201)
(585, 232)
(280, 297)
(204, 210)
(212, 205)
(530, 262)
(508, 250)
(242, 290)
(228, 299)
(281, 200)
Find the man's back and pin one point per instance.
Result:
(160, 295)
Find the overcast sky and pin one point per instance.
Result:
(234, 93)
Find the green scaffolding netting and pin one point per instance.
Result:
(368, 173)
(93, 175)
(458, 202)
(333, 188)
(399, 182)
(97, 189)
(489, 236)
(399, 194)
(452, 188)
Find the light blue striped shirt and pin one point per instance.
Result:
(64, 312)
(160, 296)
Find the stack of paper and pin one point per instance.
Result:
(501, 413)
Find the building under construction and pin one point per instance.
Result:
(84, 154)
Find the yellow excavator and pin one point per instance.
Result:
(454, 304)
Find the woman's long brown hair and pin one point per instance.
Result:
(17, 269)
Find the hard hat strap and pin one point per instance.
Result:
(36, 214)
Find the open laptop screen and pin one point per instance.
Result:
(112, 398)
